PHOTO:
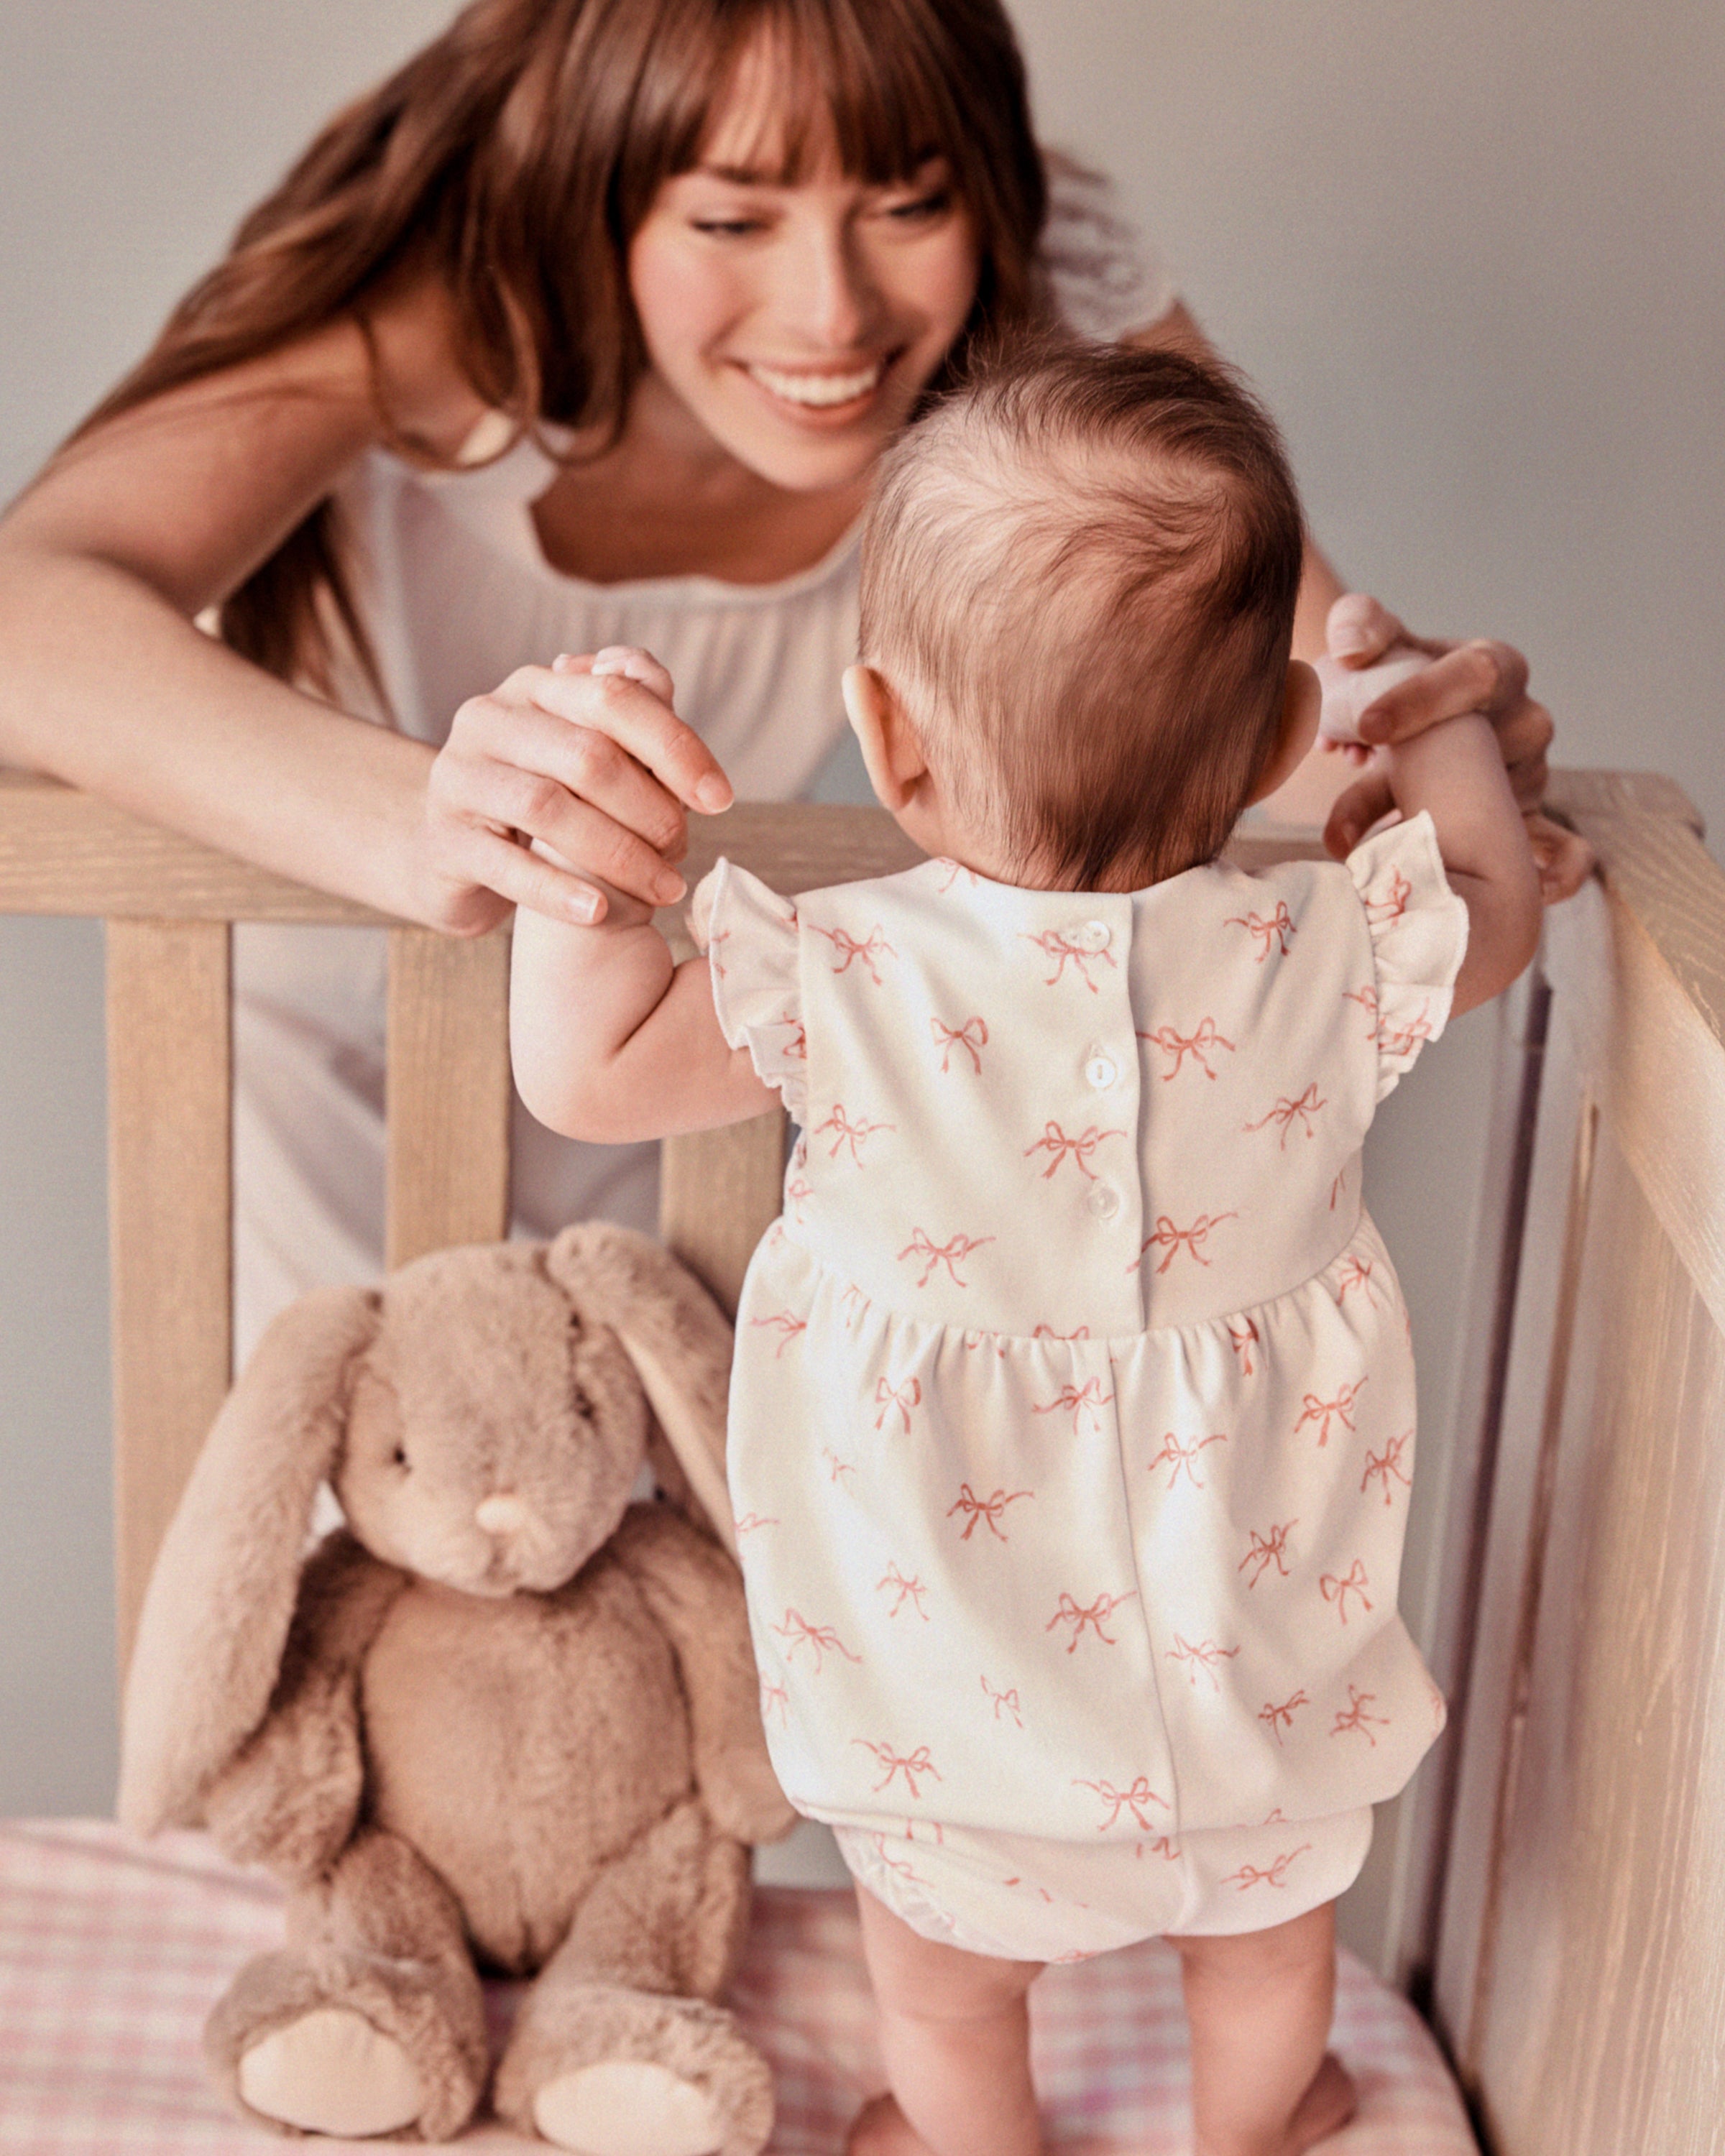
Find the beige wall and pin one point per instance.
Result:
(1469, 253)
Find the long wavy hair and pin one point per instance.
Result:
(513, 160)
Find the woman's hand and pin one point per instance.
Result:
(1477, 675)
(585, 756)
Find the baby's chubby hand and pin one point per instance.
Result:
(629, 660)
(1349, 692)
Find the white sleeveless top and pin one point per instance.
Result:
(456, 594)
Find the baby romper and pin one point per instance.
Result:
(1072, 1415)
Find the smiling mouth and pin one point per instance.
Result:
(818, 393)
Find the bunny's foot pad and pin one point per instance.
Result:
(336, 2042)
(628, 2107)
(601, 2070)
(330, 2072)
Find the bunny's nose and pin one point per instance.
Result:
(502, 1513)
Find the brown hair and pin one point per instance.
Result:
(1079, 573)
(514, 158)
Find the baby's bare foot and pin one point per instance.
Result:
(880, 2128)
(1326, 2107)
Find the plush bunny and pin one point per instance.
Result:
(504, 1715)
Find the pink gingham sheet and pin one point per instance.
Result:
(112, 1951)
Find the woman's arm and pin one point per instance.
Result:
(1478, 674)
(106, 682)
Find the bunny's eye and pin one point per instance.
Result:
(399, 1458)
(583, 1405)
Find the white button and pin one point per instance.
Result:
(1090, 935)
(1100, 1070)
(1105, 1201)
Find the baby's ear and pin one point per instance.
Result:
(890, 750)
(1302, 701)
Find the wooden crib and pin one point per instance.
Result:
(1557, 1895)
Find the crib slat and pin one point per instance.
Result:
(447, 1092)
(170, 1121)
(718, 1191)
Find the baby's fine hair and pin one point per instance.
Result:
(1079, 572)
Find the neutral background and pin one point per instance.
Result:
(1470, 253)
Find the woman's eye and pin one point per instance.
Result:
(727, 227)
(924, 207)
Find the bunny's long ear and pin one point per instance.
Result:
(220, 1598)
(674, 1334)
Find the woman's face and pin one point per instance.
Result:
(798, 323)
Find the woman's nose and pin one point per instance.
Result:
(831, 299)
(501, 1514)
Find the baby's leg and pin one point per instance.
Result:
(1260, 2004)
(955, 2035)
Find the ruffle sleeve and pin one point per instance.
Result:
(1419, 931)
(751, 951)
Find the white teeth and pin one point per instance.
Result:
(818, 390)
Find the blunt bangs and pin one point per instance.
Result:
(889, 83)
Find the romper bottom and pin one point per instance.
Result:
(1020, 1897)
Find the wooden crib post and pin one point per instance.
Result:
(170, 1221)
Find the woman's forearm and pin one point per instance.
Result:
(105, 685)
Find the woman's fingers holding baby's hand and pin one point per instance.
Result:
(625, 695)
(1481, 675)
(596, 768)
(480, 811)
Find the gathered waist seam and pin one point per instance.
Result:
(1362, 1220)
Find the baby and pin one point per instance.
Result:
(1072, 1419)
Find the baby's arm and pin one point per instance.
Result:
(1455, 772)
(610, 1037)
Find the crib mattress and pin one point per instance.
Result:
(112, 1951)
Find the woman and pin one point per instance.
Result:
(586, 328)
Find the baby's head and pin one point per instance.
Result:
(1078, 585)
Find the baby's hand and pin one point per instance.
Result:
(627, 660)
(1347, 690)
